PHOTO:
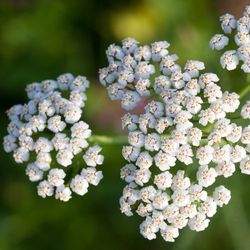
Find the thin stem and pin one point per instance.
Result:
(236, 118)
(117, 139)
(122, 139)
(103, 139)
(244, 91)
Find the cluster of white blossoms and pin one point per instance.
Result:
(239, 31)
(47, 134)
(185, 140)
(187, 126)
(131, 66)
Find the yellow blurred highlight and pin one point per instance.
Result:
(141, 23)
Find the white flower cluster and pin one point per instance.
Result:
(239, 29)
(48, 127)
(187, 126)
(131, 67)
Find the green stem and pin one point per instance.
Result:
(236, 118)
(103, 139)
(121, 139)
(244, 91)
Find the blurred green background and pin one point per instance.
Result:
(42, 39)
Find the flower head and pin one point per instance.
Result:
(238, 31)
(47, 134)
(187, 126)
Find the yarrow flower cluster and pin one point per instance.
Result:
(131, 66)
(47, 134)
(185, 140)
(239, 31)
(187, 123)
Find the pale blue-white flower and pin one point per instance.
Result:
(241, 37)
(229, 60)
(47, 130)
(218, 42)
